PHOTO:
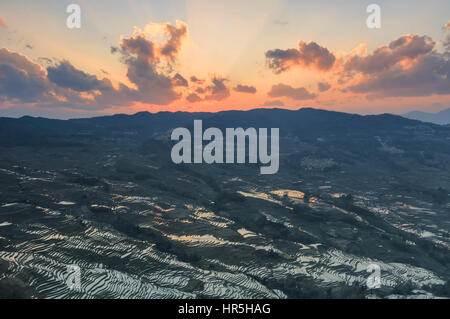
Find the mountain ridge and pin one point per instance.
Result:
(439, 118)
(306, 123)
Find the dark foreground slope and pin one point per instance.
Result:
(104, 195)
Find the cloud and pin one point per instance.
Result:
(273, 103)
(3, 23)
(153, 87)
(139, 45)
(283, 90)
(65, 75)
(22, 80)
(308, 55)
(150, 67)
(179, 80)
(323, 86)
(408, 66)
(81, 90)
(193, 98)
(245, 89)
(407, 47)
(194, 79)
(429, 75)
(45, 61)
(172, 46)
(446, 26)
(149, 63)
(114, 50)
(62, 86)
(446, 43)
(218, 91)
(26, 82)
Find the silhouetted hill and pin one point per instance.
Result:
(307, 123)
(313, 122)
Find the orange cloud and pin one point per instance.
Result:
(149, 63)
(446, 26)
(218, 91)
(172, 46)
(193, 98)
(151, 67)
(245, 89)
(3, 23)
(405, 48)
(408, 66)
(309, 55)
(323, 86)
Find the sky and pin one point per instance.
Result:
(211, 55)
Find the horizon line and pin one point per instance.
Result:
(188, 112)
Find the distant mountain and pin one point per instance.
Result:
(332, 132)
(441, 118)
(303, 122)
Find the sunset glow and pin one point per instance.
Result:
(197, 55)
